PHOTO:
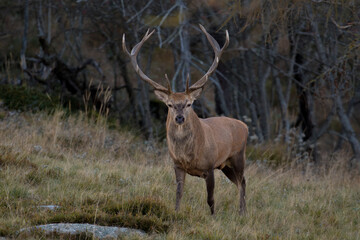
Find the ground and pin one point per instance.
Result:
(115, 178)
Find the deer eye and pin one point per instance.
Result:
(170, 105)
(188, 105)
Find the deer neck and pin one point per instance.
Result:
(183, 139)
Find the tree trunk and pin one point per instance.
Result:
(128, 86)
(305, 101)
(283, 107)
(263, 108)
(144, 103)
(348, 129)
(224, 101)
(24, 42)
(251, 90)
(305, 117)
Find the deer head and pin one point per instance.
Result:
(179, 104)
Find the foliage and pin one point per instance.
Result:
(273, 155)
(290, 63)
(26, 99)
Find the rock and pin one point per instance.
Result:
(37, 148)
(49, 207)
(99, 232)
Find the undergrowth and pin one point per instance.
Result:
(26, 99)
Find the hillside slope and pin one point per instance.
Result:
(113, 178)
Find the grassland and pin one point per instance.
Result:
(113, 177)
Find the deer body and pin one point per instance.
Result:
(198, 146)
(203, 144)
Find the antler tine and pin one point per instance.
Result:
(218, 52)
(133, 57)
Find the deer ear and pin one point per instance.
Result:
(161, 95)
(196, 93)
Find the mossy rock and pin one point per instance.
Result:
(147, 214)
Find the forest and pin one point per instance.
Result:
(291, 73)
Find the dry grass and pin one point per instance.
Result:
(110, 177)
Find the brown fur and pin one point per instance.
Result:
(198, 146)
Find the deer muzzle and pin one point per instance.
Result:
(179, 119)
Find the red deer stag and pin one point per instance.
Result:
(198, 146)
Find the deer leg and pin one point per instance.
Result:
(180, 180)
(239, 166)
(236, 175)
(242, 197)
(230, 174)
(210, 184)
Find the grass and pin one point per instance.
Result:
(113, 178)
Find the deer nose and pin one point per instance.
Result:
(179, 119)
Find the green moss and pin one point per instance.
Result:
(23, 98)
(146, 223)
(142, 206)
(40, 234)
(148, 214)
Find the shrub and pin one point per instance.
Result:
(25, 99)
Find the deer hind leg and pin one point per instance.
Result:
(239, 166)
(242, 197)
(210, 184)
(230, 174)
(180, 180)
(236, 174)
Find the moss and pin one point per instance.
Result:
(142, 206)
(146, 223)
(40, 234)
(23, 98)
(148, 214)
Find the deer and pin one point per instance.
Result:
(199, 146)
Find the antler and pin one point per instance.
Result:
(133, 57)
(218, 53)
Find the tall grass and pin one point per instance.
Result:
(112, 177)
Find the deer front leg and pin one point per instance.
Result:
(210, 184)
(180, 180)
